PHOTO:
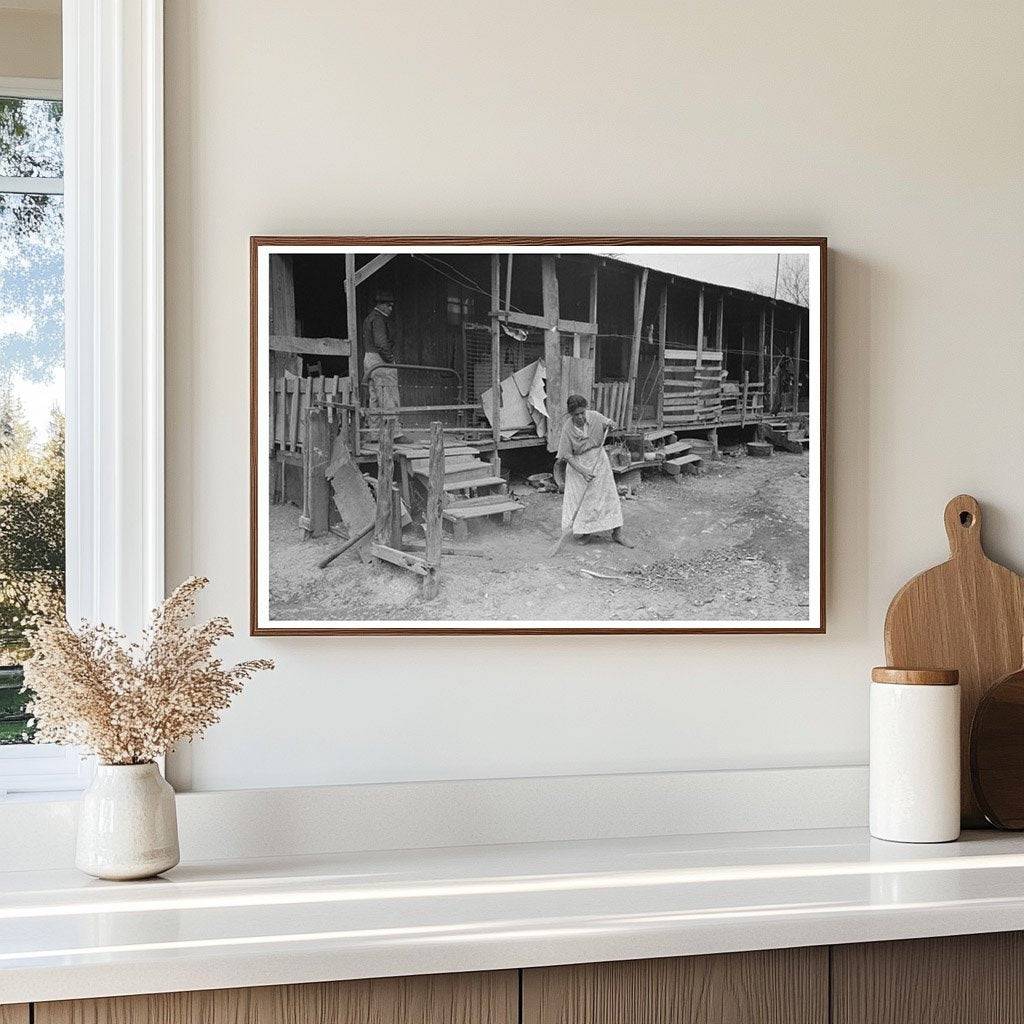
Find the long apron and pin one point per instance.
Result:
(593, 507)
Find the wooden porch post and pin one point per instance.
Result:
(282, 294)
(592, 344)
(508, 283)
(495, 361)
(316, 453)
(760, 347)
(385, 478)
(552, 351)
(771, 364)
(662, 331)
(639, 299)
(353, 345)
(465, 350)
(700, 326)
(796, 364)
(435, 504)
(720, 327)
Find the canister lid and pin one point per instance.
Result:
(916, 676)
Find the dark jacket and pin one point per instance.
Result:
(378, 336)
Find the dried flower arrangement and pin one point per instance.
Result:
(130, 703)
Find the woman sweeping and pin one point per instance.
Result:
(591, 502)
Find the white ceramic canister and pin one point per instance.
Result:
(915, 755)
(127, 824)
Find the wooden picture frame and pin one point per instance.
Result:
(363, 257)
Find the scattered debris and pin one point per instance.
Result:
(604, 575)
(543, 482)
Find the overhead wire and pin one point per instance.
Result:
(466, 282)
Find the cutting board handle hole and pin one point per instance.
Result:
(962, 518)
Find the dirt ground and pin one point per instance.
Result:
(729, 544)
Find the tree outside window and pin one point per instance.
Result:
(31, 387)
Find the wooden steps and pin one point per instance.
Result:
(492, 508)
(452, 463)
(462, 471)
(472, 490)
(657, 435)
(677, 448)
(470, 486)
(479, 501)
(473, 482)
(460, 514)
(690, 463)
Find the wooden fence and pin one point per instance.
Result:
(290, 399)
(612, 399)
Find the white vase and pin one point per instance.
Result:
(127, 825)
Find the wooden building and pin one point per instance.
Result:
(651, 348)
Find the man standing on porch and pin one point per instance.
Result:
(378, 361)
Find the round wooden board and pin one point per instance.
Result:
(968, 614)
(997, 752)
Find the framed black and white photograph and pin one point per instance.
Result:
(537, 435)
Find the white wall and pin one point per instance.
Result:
(30, 39)
(895, 129)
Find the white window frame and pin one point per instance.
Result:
(114, 334)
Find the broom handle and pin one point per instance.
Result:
(583, 496)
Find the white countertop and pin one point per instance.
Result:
(262, 922)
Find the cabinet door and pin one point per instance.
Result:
(482, 998)
(962, 979)
(778, 986)
(14, 1013)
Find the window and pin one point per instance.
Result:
(459, 305)
(81, 188)
(32, 564)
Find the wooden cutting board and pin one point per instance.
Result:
(997, 752)
(967, 614)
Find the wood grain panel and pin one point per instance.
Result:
(14, 1013)
(963, 979)
(481, 998)
(779, 986)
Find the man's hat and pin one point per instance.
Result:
(383, 295)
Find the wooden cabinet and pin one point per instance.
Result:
(962, 979)
(777, 986)
(491, 998)
(970, 979)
